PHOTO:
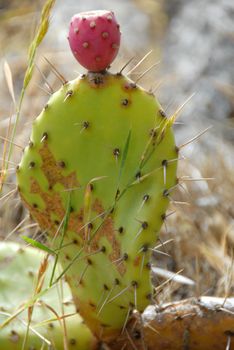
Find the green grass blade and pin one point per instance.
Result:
(124, 157)
(64, 229)
(38, 245)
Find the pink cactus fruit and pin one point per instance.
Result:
(94, 38)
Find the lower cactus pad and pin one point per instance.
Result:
(19, 268)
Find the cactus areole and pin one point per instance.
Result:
(97, 176)
(94, 38)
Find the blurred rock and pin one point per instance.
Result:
(208, 201)
(198, 53)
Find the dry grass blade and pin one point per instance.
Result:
(229, 279)
(19, 225)
(64, 229)
(60, 291)
(10, 141)
(4, 161)
(45, 340)
(41, 32)
(8, 76)
(8, 195)
(4, 123)
(38, 288)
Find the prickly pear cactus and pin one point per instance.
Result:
(19, 267)
(96, 175)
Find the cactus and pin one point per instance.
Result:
(97, 175)
(94, 38)
(21, 265)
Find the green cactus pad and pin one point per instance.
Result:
(102, 146)
(19, 267)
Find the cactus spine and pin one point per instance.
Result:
(97, 175)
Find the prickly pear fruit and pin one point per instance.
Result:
(97, 176)
(94, 38)
(19, 268)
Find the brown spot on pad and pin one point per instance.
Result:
(54, 206)
(53, 172)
